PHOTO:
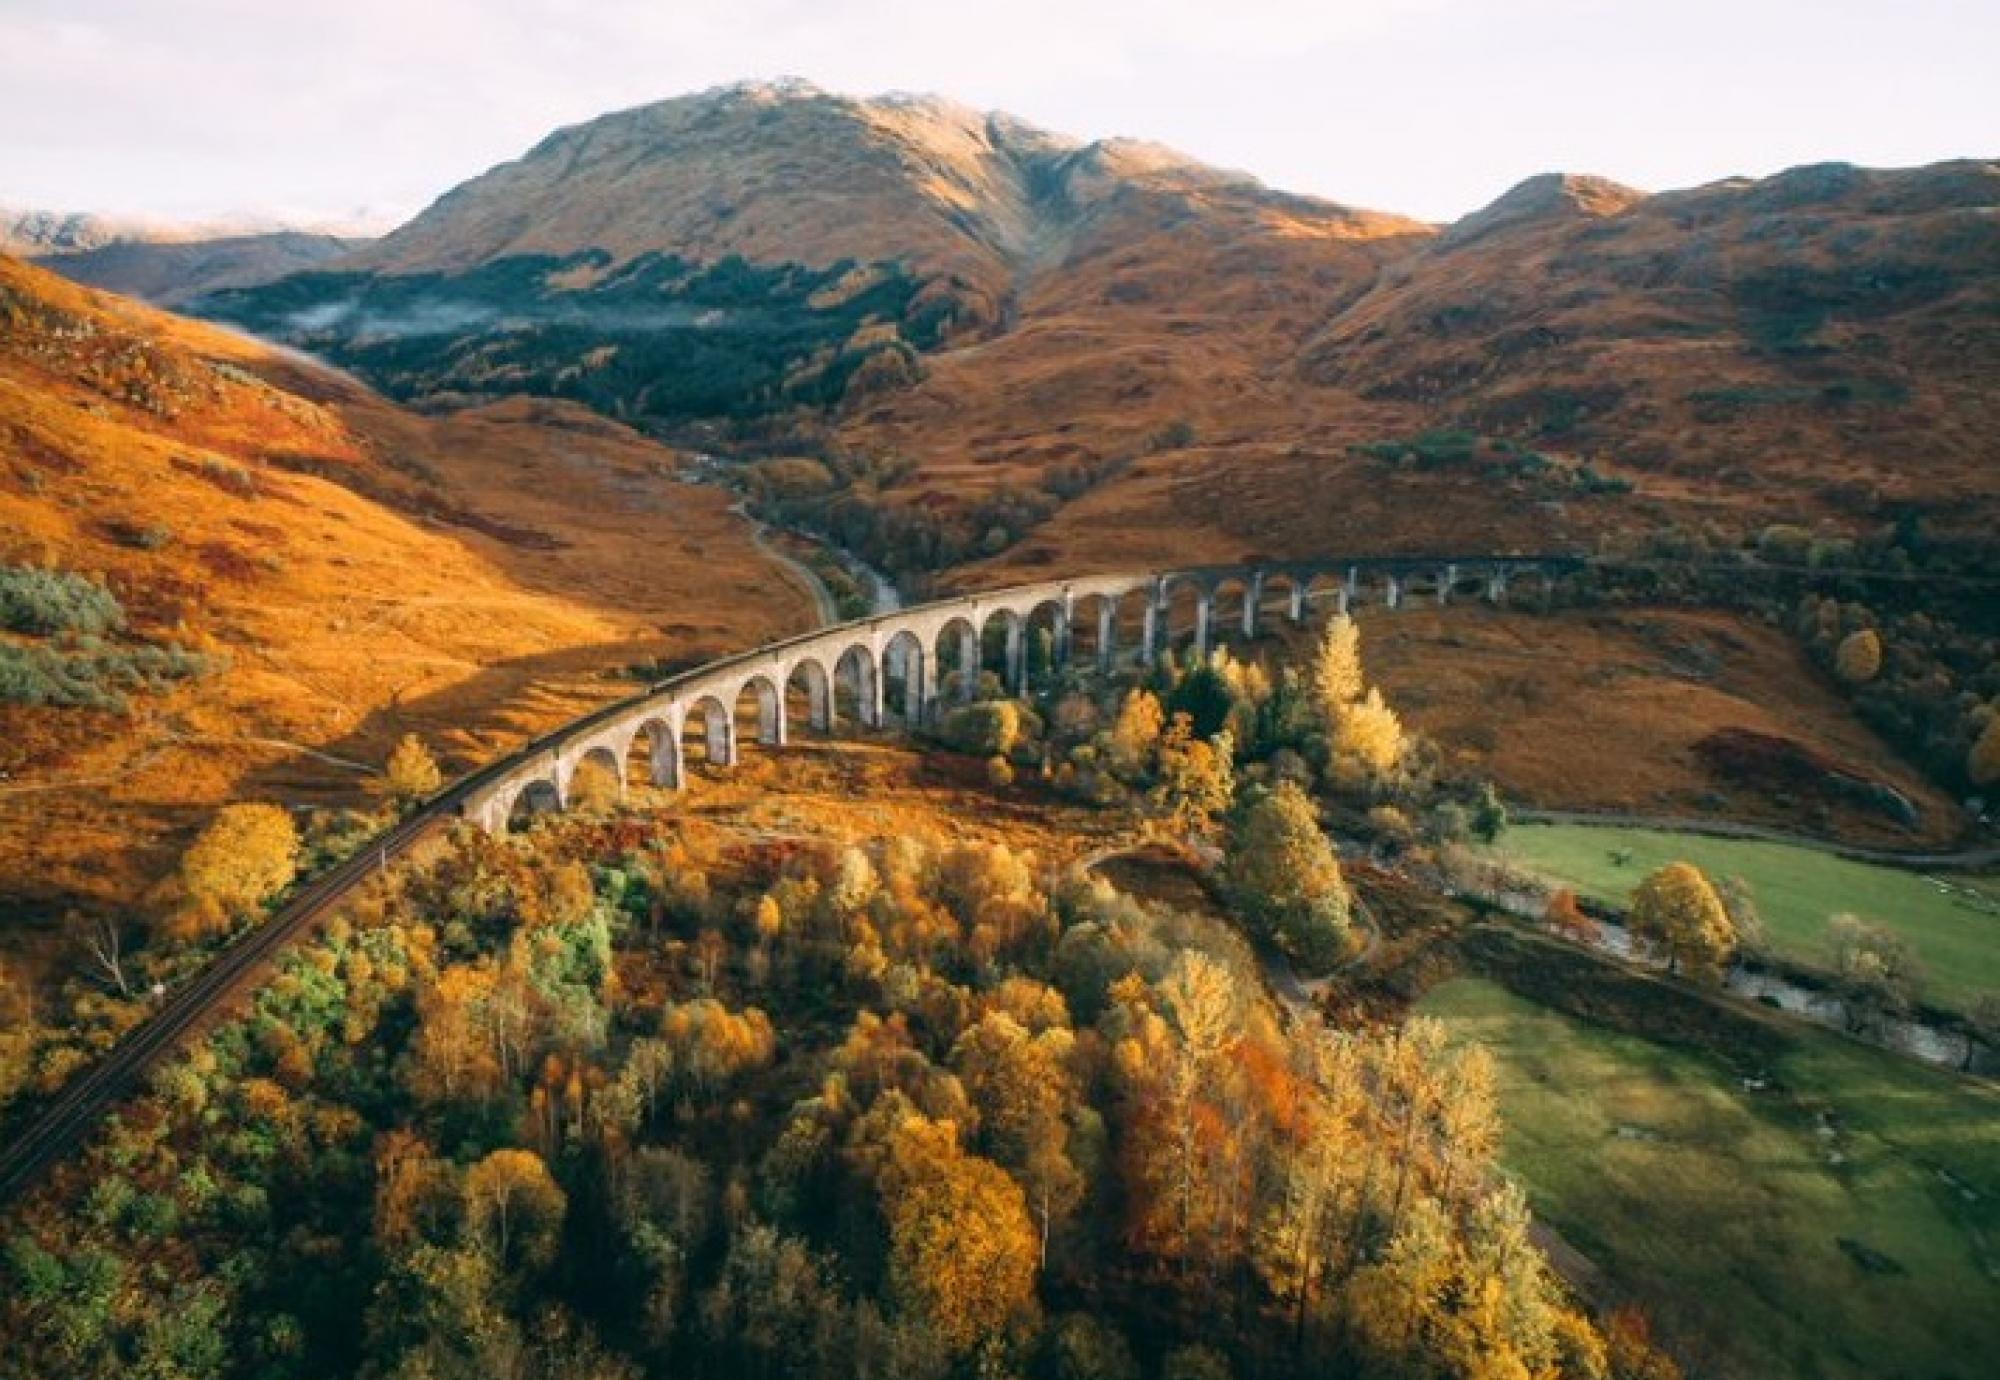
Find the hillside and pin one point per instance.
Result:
(813, 252)
(171, 272)
(167, 262)
(1151, 356)
(338, 570)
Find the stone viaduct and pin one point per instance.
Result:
(891, 668)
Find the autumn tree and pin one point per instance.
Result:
(1197, 777)
(1025, 1092)
(1336, 680)
(594, 787)
(1876, 969)
(962, 1248)
(1858, 659)
(1285, 875)
(244, 858)
(710, 1044)
(411, 774)
(1565, 915)
(1135, 734)
(1368, 740)
(514, 1209)
(1678, 912)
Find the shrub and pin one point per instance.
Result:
(53, 601)
(91, 674)
(988, 729)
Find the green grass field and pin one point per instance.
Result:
(1797, 890)
(1722, 1209)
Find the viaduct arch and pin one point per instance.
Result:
(906, 666)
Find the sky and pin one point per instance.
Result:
(369, 109)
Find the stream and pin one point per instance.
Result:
(883, 596)
(1918, 1039)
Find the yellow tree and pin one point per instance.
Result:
(1025, 1092)
(514, 1208)
(1336, 678)
(1369, 736)
(1678, 911)
(962, 1249)
(1197, 778)
(248, 855)
(1858, 659)
(412, 773)
(1136, 732)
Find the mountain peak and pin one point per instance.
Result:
(1545, 197)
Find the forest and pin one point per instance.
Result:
(636, 1091)
(654, 340)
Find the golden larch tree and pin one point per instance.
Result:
(411, 774)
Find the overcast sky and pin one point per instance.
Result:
(1431, 107)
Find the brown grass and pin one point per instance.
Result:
(1602, 710)
(367, 571)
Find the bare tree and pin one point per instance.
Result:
(104, 941)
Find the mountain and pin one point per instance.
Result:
(170, 272)
(1012, 347)
(168, 262)
(304, 572)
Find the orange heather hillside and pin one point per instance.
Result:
(352, 571)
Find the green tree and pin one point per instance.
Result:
(987, 729)
(1285, 875)
(1204, 696)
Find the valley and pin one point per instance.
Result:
(811, 735)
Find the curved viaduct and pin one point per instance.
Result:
(892, 668)
(853, 664)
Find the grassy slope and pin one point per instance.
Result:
(1721, 1209)
(1796, 889)
(366, 571)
